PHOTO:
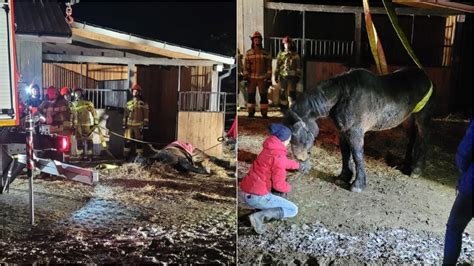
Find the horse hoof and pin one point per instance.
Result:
(356, 189)
(415, 175)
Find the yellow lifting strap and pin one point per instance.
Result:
(403, 38)
(374, 41)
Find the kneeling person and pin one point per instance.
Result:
(268, 172)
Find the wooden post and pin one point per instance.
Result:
(250, 19)
(303, 50)
(357, 37)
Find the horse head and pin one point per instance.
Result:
(304, 132)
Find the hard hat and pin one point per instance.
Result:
(136, 87)
(64, 90)
(78, 89)
(287, 39)
(256, 35)
(52, 93)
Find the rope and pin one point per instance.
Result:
(220, 140)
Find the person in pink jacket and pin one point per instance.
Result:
(268, 172)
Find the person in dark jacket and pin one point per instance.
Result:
(461, 212)
(268, 172)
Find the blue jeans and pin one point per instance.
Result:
(460, 216)
(270, 201)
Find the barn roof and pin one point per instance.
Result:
(40, 19)
(96, 44)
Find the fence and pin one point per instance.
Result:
(198, 101)
(317, 48)
(106, 97)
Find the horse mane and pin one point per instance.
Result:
(318, 101)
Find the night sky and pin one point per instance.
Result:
(210, 26)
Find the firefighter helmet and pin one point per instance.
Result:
(287, 39)
(52, 93)
(64, 90)
(136, 87)
(256, 35)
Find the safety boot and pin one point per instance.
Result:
(258, 219)
(251, 110)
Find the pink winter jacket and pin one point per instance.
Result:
(269, 169)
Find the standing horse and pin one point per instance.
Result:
(359, 101)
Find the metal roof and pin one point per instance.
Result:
(40, 18)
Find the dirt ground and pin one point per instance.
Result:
(396, 219)
(133, 215)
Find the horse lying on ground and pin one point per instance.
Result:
(359, 101)
(184, 158)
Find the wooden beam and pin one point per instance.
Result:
(87, 33)
(126, 61)
(428, 4)
(359, 9)
(71, 49)
(43, 39)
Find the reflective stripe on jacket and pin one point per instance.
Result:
(258, 64)
(84, 113)
(136, 113)
(288, 65)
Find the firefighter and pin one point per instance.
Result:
(46, 107)
(135, 120)
(85, 118)
(287, 73)
(34, 100)
(65, 92)
(58, 117)
(258, 72)
(66, 116)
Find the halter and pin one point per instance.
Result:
(305, 127)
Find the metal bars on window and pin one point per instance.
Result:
(317, 48)
(198, 101)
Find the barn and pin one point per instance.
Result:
(331, 38)
(183, 85)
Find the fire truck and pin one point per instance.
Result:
(20, 127)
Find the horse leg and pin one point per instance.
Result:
(411, 132)
(419, 150)
(356, 140)
(347, 171)
(185, 166)
(222, 163)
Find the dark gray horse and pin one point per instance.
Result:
(359, 101)
(183, 160)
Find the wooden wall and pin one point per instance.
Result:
(57, 76)
(97, 71)
(202, 129)
(160, 91)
